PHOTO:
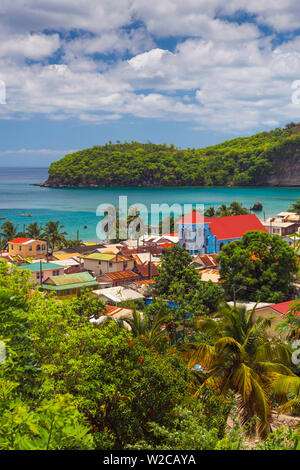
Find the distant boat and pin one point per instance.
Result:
(2, 218)
(26, 215)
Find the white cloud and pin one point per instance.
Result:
(96, 66)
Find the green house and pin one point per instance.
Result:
(69, 285)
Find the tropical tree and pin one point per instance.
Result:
(259, 267)
(210, 212)
(34, 230)
(223, 211)
(152, 331)
(287, 390)
(241, 359)
(54, 235)
(237, 209)
(295, 207)
(73, 242)
(8, 230)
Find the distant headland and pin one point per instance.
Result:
(270, 158)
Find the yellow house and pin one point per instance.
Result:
(276, 312)
(27, 248)
(69, 285)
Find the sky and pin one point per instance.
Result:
(77, 73)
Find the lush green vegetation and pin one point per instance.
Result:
(53, 233)
(259, 267)
(241, 161)
(68, 383)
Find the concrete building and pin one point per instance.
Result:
(27, 248)
(102, 263)
(279, 226)
(40, 271)
(69, 285)
(200, 235)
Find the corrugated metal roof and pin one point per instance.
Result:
(67, 279)
(33, 267)
(119, 275)
(100, 256)
(52, 287)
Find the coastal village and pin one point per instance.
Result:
(118, 273)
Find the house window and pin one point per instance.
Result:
(55, 272)
(110, 265)
(125, 265)
(30, 248)
(20, 248)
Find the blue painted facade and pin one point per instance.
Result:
(198, 239)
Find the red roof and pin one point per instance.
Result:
(21, 240)
(192, 218)
(234, 226)
(282, 307)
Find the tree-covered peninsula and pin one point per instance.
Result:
(268, 158)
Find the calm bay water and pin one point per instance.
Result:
(76, 208)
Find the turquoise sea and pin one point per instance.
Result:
(76, 208)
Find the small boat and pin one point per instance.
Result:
(2, 218)
(26, 215)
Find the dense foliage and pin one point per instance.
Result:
(259, 267)
(241, 161)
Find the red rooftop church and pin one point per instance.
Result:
(198, 234)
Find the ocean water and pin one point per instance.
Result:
(76, 208)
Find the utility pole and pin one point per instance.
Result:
(235, 291)
(41, 272)
(149, 266)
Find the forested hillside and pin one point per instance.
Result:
(267, 158)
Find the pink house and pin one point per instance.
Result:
(41, 271)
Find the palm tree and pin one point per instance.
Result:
(53, 235)
(241, 359)
(223, 211)
(73, 242)
(210, 212)
(287, 390)
(34, 230)
(295, 207)
(237, 209)
(8, 230)
(141, 327)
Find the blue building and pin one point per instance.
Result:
(200, 235)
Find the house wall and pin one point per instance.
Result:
(28, 251)
(47, 273)
(210, 242)
(269, 313)
(102, 267)
(69, 293)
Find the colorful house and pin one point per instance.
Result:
(27, 248)
(69, 285)
(102, 263)
(42, 271)
(120, 278)
(201, 235)
(276, 312)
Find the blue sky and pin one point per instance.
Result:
(194, 73)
